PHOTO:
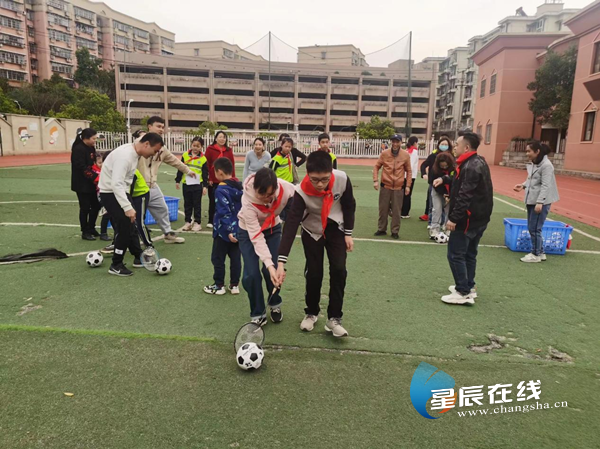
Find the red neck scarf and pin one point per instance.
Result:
(220, 149)
(270, 220)
(462, 158)
(288, 158)
(411, 149)
(327, 195)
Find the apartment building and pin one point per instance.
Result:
(187, 92)
(215, 50)
(39, 37)
(550, 17)
(333, 55)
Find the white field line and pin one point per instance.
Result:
(209, 233)
(36, 202)
(585, 234)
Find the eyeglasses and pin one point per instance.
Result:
(319, 180)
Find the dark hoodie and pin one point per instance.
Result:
(228, 199)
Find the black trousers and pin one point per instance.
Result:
(104, 224)
(89, 207)
(220, 250)
(192, 203)
(211, 203)
(140, 204)
(335, 245)
(126, 236)
(407, 200)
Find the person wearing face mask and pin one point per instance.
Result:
(444, 144)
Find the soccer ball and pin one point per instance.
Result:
(250, 356)
(94, 259)
(163, 266)
(441, 238)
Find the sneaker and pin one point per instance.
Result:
(543, 257)
(276, 315)
(94, 233)
(424, 217)
(215, 290)
(452, 289)
(395, 236)
(530, 258)
(334, 325)
(171, 237)
(234, 289)
(405, 216)
(120, 270)
(457, 298)
(105, 237)
(86, 236)
(187, 227)
(428, 226)
(108, 249)
(137, 263)
(260, 321)
(379, 233)
(209, 225)
(308, 323)
(197, 227)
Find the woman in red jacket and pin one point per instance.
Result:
(218, 149)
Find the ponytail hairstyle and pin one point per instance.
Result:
(86, 133)
(535, 146)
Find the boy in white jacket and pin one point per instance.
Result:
(265, 197)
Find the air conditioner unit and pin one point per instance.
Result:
(69, 59)
(69, 44)
(77, 32)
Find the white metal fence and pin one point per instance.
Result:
(242, 141)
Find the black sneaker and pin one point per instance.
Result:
(276, 315)
(120, 270)
(137, 263)
(395, 236)
(86, 236)
(105, 238)
(260, 321)
(94, 233)
(108, 249)
(378, 233)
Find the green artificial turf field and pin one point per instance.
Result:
(150, 360)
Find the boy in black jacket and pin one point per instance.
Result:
(471, 204)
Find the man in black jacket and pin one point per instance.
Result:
(471, 204)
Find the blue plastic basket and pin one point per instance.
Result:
(172, 204)
(554, 234)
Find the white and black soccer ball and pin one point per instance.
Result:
(250, 356)
(94, 259)
(441, 238)
(163, 266)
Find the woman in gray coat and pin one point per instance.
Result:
(540, 192)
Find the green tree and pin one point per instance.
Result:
(553, 89)
(95, 107)
(207, 127)
(366, 73)
(376, 129)
(90, 74)
(7, 105)
(41, 98)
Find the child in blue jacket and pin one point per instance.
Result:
(228, 202)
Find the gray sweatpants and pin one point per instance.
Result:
(439, 208)
(159, 210)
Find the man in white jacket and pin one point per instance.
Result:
(115, 182)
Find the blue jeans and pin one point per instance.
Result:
(252, 279)
(535, 223)
(462, 257)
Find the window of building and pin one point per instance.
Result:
(141, 33)
(488, 133)
(121, 26)
(13, 75)
(62, 68)
(493, 84)
(588, 126)
(323, 55)
(168, 42)
(59, 36)
(13, 41)
(479, 129)
(90, 45)
(596, 67)
(12, 58)
(228, 53)
(537, 26)
(122, 40)
(10, 23)
(83, 28)
(9, 4)
(55, 19)
(196, 52)
(84, 13)
(482, 92)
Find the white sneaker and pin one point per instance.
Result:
(530, 258)
(543, 257)
(334, 325)
(308, 323)
(197, 227)
(171, 237)
(214, 290)
(452, 289)
(187, 227)
(234, 289)
(457, 298)
(209, 225)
